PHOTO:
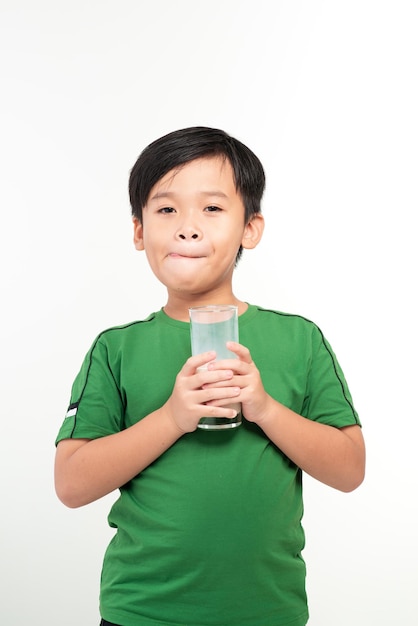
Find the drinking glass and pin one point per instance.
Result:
(211, 327)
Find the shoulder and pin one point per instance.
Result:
(124, 333)
(275, 316)
(284, 327)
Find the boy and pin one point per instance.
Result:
(208, 523)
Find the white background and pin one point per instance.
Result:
(325, 93)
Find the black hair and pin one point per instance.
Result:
(185, 145)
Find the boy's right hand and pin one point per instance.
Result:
(187, 403)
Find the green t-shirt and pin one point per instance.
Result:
(210, 533)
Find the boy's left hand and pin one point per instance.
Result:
(253, 397)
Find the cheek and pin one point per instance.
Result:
(230, 240)
(150, 241)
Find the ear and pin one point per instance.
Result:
(253, 232)
(138, 234)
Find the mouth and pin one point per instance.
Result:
(176, 255)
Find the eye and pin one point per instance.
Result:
(212, 209)
(166, 209)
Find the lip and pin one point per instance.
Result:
(179, 255)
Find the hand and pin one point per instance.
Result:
(256, 402)
(200, 391)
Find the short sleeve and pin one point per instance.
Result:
(96, 408)
(328, 399)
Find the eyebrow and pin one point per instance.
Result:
(172, 194)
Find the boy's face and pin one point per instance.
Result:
(192, 227)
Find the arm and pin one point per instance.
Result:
(334, 456)
(86, 470)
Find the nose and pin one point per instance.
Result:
(185, 236)
(187, 232)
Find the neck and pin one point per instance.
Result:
(178, 305)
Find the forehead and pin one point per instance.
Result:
(203, 175)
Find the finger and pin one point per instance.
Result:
(241, 351)
(236, 365)
(217, 394)
(216, 377)
(198, 361)
(220, 383)
(213, 410)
